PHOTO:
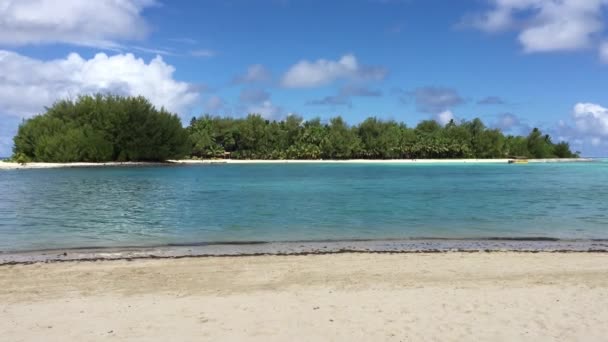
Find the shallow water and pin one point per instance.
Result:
(58, 208)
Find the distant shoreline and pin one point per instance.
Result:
(17, 166)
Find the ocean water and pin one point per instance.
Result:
(147, 206)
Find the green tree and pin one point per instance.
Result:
(562, 150)
(106, 127)
(539, 145)
(102, 128)
(341, 141)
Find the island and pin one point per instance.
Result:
(117, 129)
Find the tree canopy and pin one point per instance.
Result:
(114, 128)
(102, 128)
(254, 137)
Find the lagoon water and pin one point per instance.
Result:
(146, 206)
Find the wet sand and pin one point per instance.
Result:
(499, 296)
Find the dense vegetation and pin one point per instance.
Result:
(256, 138)
(113, 128)
(101, 128)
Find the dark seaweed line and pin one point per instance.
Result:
(262, 242)
(305, 253)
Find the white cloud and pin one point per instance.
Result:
(266, 109)
(27, 84)
(98, 23)
(591, 119)
(546, 25)
(587, 130)
(306, 74)
(256, 73)
(445, 117)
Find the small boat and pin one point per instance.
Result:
(518, 161)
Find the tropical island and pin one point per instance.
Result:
(110, 128)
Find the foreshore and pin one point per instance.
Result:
(502, 296)
(294, 248)
(17, 166)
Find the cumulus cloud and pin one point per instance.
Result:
(444, 117)
(545, 25)
(27, 85)
(307, 74)
(344, 96)
(491, 100)
(591, 119)
(99, 23)
(433, 99)
(256, 73)
(587, 128)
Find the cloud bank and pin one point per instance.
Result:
(546, 25)
(27, 85)
(99, 23)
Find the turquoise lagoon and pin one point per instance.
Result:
(163, 205)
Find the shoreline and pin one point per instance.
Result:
(303, 248)
(36, 165)
(346, 297)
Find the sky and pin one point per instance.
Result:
(516, 64)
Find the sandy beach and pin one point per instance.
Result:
(344, 297)
(17, 166)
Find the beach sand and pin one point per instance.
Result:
(499, 296)
(17, 166)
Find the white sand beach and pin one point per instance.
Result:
(17, 166)
(345, 297)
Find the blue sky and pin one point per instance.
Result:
(516, 64)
